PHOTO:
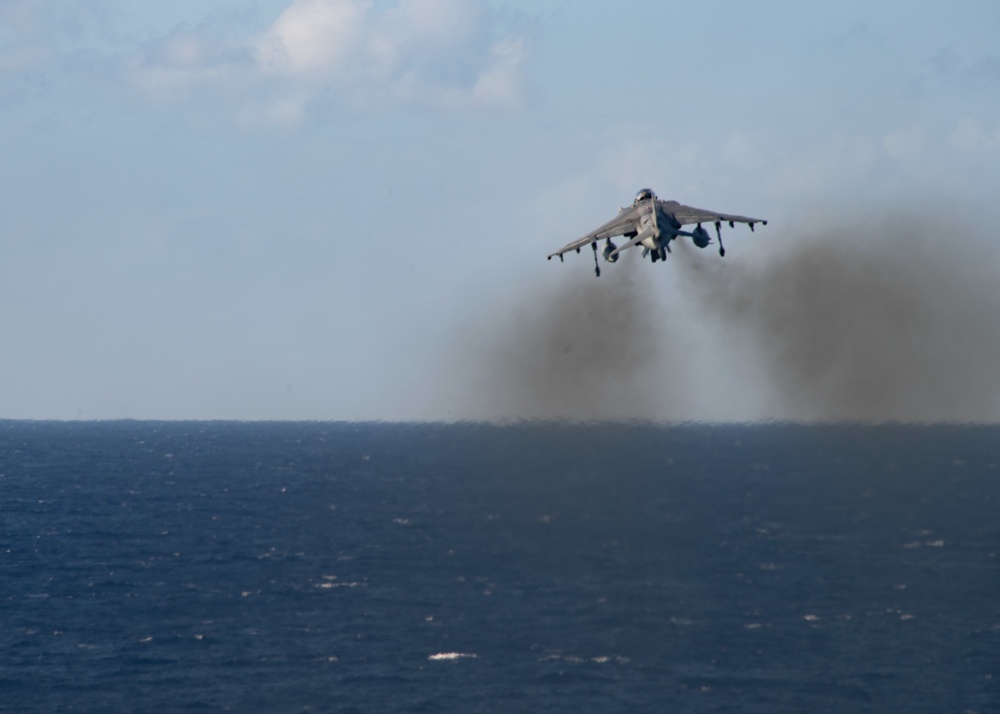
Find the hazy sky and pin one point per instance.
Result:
(340, 209)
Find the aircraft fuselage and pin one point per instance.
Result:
(662, 226)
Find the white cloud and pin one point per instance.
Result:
(438, 53)
(312, 38)
(182, 63)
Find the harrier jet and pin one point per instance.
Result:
(653, 223)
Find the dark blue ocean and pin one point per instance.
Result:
(289, 567)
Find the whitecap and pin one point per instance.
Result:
(451, 656)
(346, 584)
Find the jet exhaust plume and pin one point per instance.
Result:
(890, 317)
(580, 349)
(893, 315)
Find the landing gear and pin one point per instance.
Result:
(597, 266)
(718, 234)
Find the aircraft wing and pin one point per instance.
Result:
(627, 221)
(686, 215)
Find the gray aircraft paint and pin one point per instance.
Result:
(652, 223)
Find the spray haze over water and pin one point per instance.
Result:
(892, 315)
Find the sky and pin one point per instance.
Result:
(340, 209)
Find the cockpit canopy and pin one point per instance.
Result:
(643, 195)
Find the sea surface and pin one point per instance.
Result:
(291, 567)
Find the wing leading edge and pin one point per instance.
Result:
(686, 215)
(625, 222)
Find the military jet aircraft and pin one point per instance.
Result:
(653, 223)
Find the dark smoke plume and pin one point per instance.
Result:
(579, 349)
(891, 317)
